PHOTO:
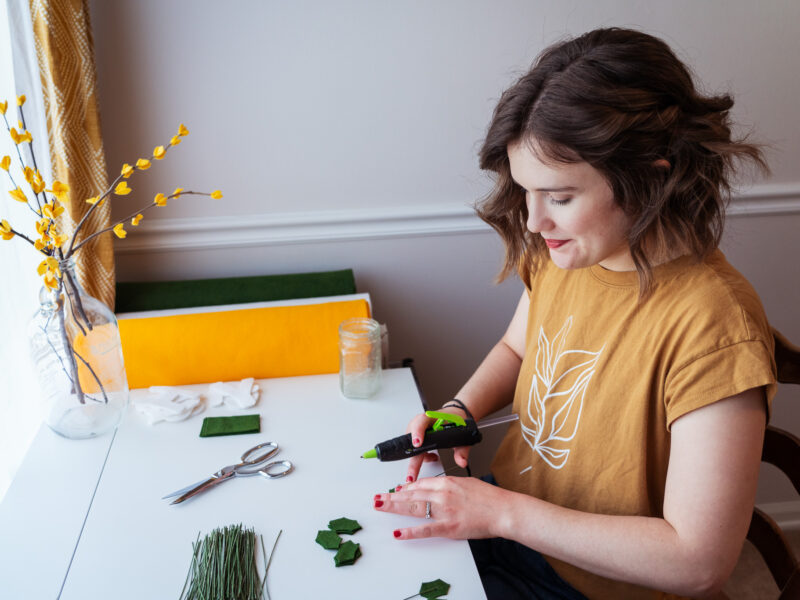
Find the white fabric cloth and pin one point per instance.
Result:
(164, 403)
(239, 395)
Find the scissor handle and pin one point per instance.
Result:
(274, 470)
(254, 457)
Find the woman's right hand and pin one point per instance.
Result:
(417, 428)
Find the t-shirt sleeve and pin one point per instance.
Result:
(719, 374)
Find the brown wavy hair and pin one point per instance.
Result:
(620, 100)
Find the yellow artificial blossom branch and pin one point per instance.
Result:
(143, 164)
(159, 152)
(5, 163)
(119, 230)
(159, 198)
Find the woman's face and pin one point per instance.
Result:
(572, 207)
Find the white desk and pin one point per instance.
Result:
(135, 545)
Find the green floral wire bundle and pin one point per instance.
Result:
(224, 566)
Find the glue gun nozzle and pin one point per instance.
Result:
(371, 453)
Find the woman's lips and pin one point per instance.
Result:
(555, 243)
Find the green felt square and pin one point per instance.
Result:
(213, 426)
(328, 539)
(348, 553)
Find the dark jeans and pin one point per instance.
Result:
(510, 570)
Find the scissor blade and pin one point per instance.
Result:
(184, 490)
(208, 483)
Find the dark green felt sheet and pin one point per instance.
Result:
(163, 295)
(214, 426)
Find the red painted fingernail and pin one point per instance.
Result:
(397, 488)
(377, 497)
(378, 503)
(416, 442)
(396, 533)
(409, 478)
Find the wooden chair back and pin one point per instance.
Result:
(781, 449)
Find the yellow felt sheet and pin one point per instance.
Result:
(275, 341)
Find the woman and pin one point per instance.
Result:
(639, 361)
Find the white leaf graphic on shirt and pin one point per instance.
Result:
(555, 400)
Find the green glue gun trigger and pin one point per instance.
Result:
(448, 431)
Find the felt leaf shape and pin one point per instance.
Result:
(50, 280)
(18, 195)
(177, 192)
(5, 163)
(38, 184)
(51, 211)
(344, 525)
(160, 199)
(5, 230)
(176, 139)
(216, 194)
(3, 107)
(21, 100)
(93, 200)
(348, 553)
(127, 170)
(60, 190)
(119, 231)
(182, 131)
(122, 189)
(143, 164)
(135, 220)
(14, 135)
(434, 589)
(159, 152)
(328, 539)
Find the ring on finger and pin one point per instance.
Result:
(427, 510)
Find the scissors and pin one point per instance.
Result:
(254, 462)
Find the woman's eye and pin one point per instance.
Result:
(559, 201)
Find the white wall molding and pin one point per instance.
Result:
(158, 235)
(300, 227)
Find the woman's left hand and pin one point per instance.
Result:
(460, 507)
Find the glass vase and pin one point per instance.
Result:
(77, 356)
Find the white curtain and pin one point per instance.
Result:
(20, 406)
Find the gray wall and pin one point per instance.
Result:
(344, 134)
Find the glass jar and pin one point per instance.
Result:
(77, 356)
(359, 358)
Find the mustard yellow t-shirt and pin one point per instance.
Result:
(605, 375)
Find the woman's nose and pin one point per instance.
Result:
(538, 220)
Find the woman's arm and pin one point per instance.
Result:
(490, 388)
(710, 490)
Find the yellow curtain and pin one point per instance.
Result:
(65, 51)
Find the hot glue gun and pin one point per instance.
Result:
(448, 431)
